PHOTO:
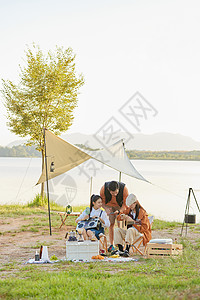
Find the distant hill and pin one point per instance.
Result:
(16, 143)
(154, 142)
(162, 141)
(90, 143)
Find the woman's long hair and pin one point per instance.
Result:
(93, 198)
(137, 208)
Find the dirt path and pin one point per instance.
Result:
(18, 242)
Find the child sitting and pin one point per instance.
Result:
(94, 211)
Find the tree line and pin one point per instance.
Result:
(164, 155)
(30, 151)
(19, 151)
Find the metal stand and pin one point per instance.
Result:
(187, 208)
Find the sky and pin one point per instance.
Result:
(133, 55)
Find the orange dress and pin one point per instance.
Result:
(145, 226)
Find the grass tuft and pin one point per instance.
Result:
(38, 201)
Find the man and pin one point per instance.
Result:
(114, 196)
(137, 223)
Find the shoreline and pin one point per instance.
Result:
(157, 159)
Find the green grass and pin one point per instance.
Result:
(167, 278)
(36, 217)
(160, 278)
(26, 210)
(160, 224)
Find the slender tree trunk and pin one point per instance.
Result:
(42, 184)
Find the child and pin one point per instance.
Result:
(95, 211)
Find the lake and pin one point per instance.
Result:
(165, 197)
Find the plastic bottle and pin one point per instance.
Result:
(37, 257)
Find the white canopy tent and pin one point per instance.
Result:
(115, 157)
(63, 156)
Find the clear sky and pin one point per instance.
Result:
(122, 47)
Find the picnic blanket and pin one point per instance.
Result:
(106, 259)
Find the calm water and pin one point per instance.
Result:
(165, 198)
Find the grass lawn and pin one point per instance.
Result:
(163, 278)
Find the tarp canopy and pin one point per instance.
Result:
(115, 157)
(63, 156)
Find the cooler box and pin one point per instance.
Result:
(81, 250)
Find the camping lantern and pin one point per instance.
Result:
(52, 167)
(68, 209)
(190, 219)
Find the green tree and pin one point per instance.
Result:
(45, 96)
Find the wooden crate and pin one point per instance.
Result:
(163, 250)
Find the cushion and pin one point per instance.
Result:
(161, 241)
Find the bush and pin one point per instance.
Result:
(38, 201)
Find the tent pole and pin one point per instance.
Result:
(91, 186)
(120, 173)
(120, 176)
(47, 183)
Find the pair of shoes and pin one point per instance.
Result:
(111, 248)
(114, 252)
(102, 252)
(125, 254)
(117, 252)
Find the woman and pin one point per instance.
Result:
(95, 211)
(137, 222)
